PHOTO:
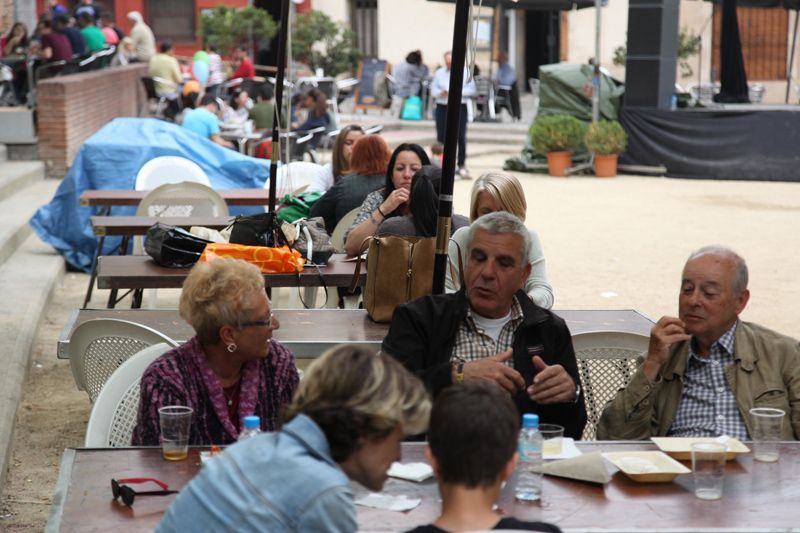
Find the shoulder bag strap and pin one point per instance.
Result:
(357, 273)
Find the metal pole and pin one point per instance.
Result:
(791, 57)
(596, 77)
(458, 55)
(273, 168)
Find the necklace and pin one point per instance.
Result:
(234, 389)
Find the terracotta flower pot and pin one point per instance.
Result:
(558, 162)
(605, 166)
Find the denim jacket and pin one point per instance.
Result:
(765, 373)
(278, 482)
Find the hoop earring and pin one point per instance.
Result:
(231, 347)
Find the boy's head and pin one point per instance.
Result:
(473, 434)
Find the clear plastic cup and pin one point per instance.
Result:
(553, 437)
(767, 425)
(708, 465)
(176, 423)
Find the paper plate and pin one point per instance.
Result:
(646, 467)
(681, 447)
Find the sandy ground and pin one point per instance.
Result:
(609, 243)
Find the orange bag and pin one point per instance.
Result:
(269, 260)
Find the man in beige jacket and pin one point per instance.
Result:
(706, 369)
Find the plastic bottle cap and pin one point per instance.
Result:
(530, 421)
(252, 422)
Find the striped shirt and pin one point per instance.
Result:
(708, 407)
(472, 343)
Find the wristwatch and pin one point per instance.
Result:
(577, 393)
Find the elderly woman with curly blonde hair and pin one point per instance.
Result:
(501, 191)
(230, 369)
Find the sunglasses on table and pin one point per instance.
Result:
(128, 494)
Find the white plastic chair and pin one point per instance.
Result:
(115, 412)
(169, 169)
(98, 347)
(606, 363)
(182, 199)
(337, 237)
(294, 178)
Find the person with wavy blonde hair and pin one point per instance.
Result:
(501, 191)
(346, 422)
(230, 369)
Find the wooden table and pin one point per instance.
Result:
(758, 497)
(138, 225)
(141, 272)
(310, 332)
(110, 197)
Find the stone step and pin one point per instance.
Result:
(3, 153)
(17, 208)
(27, 280)
(16, 175)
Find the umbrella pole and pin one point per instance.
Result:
(596, 77)
(791, 57)
(459, 52)
(276, 143)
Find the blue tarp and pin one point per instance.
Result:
(111, 158)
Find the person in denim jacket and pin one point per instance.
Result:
(341, 426)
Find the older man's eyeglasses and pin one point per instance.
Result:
(259, 323)
(128, 494)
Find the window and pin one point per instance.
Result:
(764, 34)
(172, 19)
(364, 17)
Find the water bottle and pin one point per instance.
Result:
(252, 427)
(529, 480)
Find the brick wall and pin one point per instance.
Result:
(71, 108)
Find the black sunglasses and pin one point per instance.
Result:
(258, 323)
(128, 494)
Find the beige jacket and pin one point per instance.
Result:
(766, 373)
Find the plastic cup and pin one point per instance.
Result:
(708, 465)
(767, 424)
(552, 437)
(176, 423)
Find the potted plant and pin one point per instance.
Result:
(557, 136)
(607, 140)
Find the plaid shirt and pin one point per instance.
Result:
(708, 406)
(473, 343)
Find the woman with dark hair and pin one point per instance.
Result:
(237, 111)
(423, 208)
(390, 201)
(15, 42)
(409, 75)
(367, 164)
(317, 106)
(340, 165)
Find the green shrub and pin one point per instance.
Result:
(556, 133)
(319, 42)
(606, 137)
(228, 27)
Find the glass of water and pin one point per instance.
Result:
(708, 465)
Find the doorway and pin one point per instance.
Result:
(267, 49)
(542, 41)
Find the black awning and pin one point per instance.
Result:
(534, 5)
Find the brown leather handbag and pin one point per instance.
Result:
(399, 269)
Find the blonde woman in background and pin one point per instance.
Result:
(500, 191)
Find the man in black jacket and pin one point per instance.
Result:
(490, 330)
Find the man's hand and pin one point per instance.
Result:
(493, 369)
(551, 384)
(667, 331)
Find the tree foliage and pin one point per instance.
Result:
(319, 42)
(688, 45)
(228, 27)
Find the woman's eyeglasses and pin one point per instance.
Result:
(259, 323)
(128, 494)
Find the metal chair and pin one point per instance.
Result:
(158, 102)
(98, 347)
(116, 410)
(606, 363)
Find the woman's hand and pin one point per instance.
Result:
(397, 198)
